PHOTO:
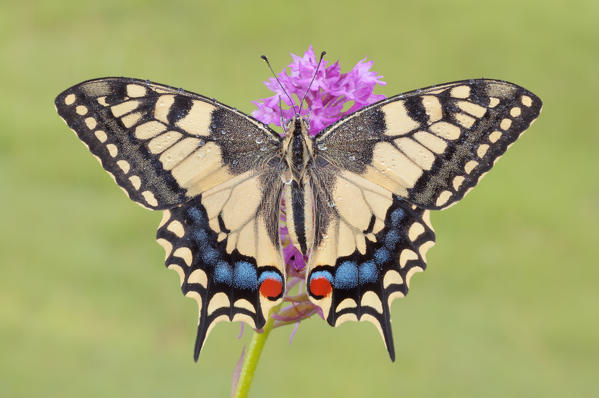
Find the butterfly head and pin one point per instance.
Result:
(297, 124)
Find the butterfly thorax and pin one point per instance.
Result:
(297, 148)
(298, 152)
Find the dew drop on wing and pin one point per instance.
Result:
(352, 157)
(259, 140)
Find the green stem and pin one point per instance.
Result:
(252, 356)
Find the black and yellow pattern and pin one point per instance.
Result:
(357, 195)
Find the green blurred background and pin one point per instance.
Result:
(507, 307)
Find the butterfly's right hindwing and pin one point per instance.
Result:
(162, 145)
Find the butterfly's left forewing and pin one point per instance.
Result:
(213, 169)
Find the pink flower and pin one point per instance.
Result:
(331, 92)
(332, 96)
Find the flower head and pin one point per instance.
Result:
(332, 95)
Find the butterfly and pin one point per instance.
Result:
(357, 195)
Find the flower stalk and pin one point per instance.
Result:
(252, 355)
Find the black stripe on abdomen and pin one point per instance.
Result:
(297, 205)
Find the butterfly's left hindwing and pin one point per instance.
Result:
(216, 172)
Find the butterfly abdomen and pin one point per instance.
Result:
(299, 214)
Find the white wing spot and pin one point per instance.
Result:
(515, 111)
(457, 182)
(526, 100)
(495, 136)
(424, 248)
(149, 129)
(411, 273)
(392, 277)
(124, 108)
(69, 99)
(163, 106)
(505, 124)
(91, 123)
(219, 300)
(81, 110)
(184, 253)
(465, 120)
(163, 141)
(135, 90)
(405, 255)
(101, 135)
(482, 150)
(460, 92)
(112, 150)
(102, 101)
(473, 109)
(131, 119)
(370, 299)
(135, 181)
(431, 141)
(199, 276)
(445, 130)
(416, 230)
(150, 198)
(470, 166)
(177, 228)
(124, 165)
(346, 303)
(493, 102)
(443, 198)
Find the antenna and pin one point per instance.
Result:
(322, 54)
(278, 81)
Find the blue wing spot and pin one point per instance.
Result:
(391, 239)
(223, 273)
(245, 276)
(368, 273)
(381, 255)
(322, 274)
(269, 274)
(195, 214)
(199, 236)
(396, 216)
(209, 255)
(346, 275)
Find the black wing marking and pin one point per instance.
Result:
(164, 145)
(431, 146)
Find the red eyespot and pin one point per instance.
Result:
(320, 287)
(271, 288)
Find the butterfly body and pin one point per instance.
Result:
(357, 195)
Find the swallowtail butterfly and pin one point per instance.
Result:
(357, 195)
